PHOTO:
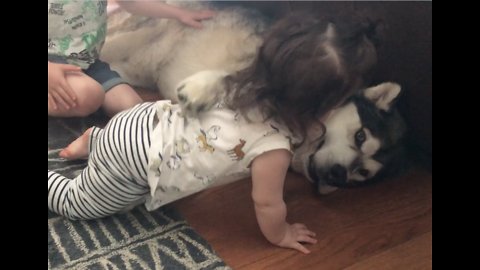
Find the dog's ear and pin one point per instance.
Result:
(383, 95)
(315, 133)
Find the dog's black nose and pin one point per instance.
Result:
(337, 174)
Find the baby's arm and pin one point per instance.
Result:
(159, 9)
(268, 176)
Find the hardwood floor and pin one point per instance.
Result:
(386, 226)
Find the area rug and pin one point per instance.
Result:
(137, 239)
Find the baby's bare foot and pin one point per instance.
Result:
(78, 149)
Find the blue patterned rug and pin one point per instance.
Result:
(138, 239)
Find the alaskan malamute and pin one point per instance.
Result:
(363, 142)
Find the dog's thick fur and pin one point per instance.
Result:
(361, 139)
(159, 53)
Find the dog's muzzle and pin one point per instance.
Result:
(336, 175)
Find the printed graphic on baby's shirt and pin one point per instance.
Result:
(182, 146)
(274, 130)
(205, 179)
(204, 139)
(174, 162)
(236, 153)
(156, 165)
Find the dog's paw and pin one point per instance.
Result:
(201, 91)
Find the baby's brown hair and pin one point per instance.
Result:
(305, 67)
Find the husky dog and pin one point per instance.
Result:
(359, 143)
(363, 142)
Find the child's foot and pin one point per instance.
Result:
(77, 149)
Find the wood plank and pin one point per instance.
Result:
(352, 225)
(414, 254)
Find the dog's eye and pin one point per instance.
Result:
(363, 172)
(360, 137)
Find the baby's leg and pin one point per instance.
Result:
(92, 194)
(116, 175)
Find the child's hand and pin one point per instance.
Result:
(59, 91)
(296, 233)
(194, 18)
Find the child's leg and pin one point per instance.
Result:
(90, 97)
(119, 95)
(119, 98)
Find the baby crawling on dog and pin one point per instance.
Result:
(158, 152)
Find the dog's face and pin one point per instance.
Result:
(362, 142)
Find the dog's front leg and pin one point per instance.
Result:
(201, 91)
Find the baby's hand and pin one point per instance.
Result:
(297, 233)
